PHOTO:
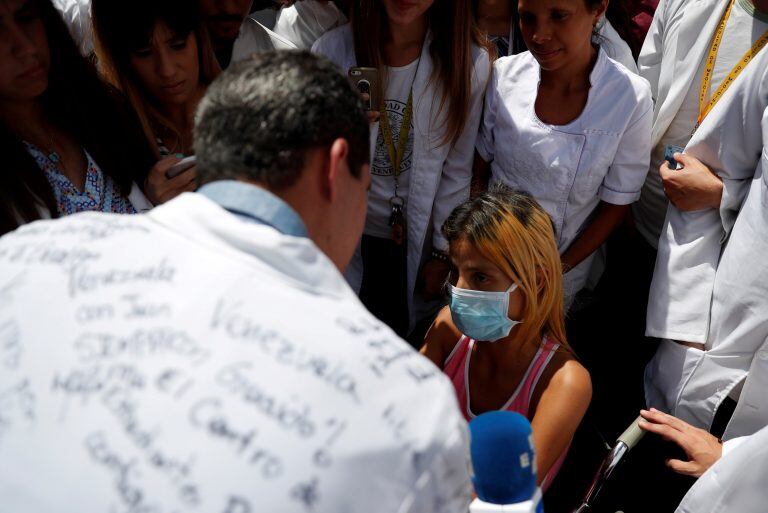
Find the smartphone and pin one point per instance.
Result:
(366, 81)
(180, 167)
(669, 156)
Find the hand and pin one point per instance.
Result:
(373, 115)
(695, 187)
(434, 274)
(159, 189)
(702, 449)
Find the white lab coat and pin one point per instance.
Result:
(616, 48)
(734, 484)
(676, 44)
(77, 15)
(256, 38)
(441, 173)
(691, 383)
(305, 22)
(188, 359)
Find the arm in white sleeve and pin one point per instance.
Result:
(456, 177)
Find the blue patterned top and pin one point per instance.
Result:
(100, 194)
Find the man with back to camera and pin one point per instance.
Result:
(209, 356)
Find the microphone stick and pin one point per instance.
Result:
(625, 443)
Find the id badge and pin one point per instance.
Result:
(669, 156)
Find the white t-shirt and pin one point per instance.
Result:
(398, 88)
(744, 27)
(304, 22)
(569, 169)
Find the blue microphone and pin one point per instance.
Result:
(504, 464)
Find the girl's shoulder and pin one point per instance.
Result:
(565, 371)
(441, 338)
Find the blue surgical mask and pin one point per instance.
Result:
(482, 316)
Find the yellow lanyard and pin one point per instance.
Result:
(396, 154)
(704, 106)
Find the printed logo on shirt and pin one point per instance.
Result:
(381, 165)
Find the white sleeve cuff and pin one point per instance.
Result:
(616, 197)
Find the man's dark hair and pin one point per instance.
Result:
(259, 118)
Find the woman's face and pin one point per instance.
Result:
(405, 12)
(25, 58)
(558, 32)
(168, 68)
(471, 270)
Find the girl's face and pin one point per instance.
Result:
(471, 270)
(25, 57)
(558, 32)
(406, 12)
(168, 68)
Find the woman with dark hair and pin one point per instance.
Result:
(499, 19)
(159, 55)
(568, 124)
(68, 144)
(433, 67)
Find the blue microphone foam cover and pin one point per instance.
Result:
(503, 458)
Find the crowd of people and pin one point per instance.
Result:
(282, 292)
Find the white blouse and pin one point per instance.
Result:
(602, 155)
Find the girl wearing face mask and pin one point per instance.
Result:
(569, 125)
(68, 143)
(159, 55)
(502, 338)
(433, 68)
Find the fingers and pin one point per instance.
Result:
(183, 179)
(373, 116)
(665, 171)
(687, 468)
(664, 418)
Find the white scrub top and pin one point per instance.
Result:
(569, 169)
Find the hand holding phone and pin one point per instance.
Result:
(669, 156)
(366, 81)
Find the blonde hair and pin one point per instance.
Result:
(510, 229)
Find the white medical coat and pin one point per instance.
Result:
(683, 301)
(691, 383)
(441, 173)
(189, 360)
(256, 38)
(736, 483)
(77, 15)
(304, 22)
(600, 156)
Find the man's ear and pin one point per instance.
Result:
(336, 165)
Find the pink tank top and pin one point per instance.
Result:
(457, 368)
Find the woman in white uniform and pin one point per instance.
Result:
(434, 70)
(569, 125)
